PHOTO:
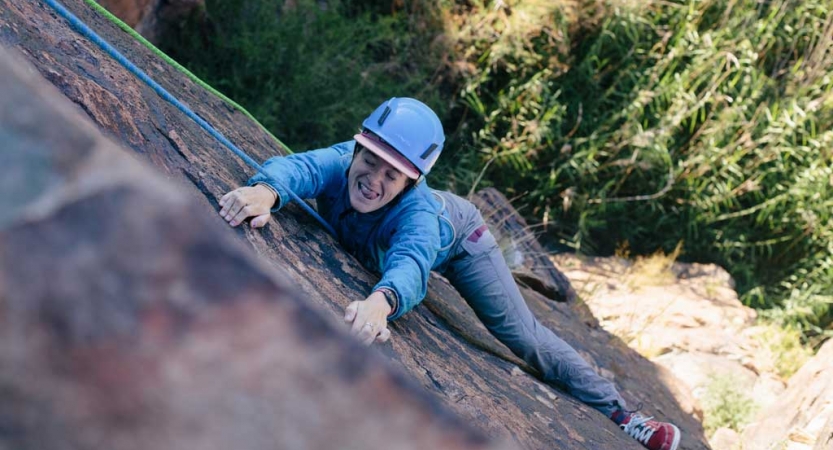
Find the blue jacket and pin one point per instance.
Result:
(403, 240)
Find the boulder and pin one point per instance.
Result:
(726, 439)
(661, 310)
(688, 319)
(801, 415)
(685, 317)
(440, 345)
(825, 440)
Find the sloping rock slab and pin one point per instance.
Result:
(825, 440)
(482, 387)
(803, 412)
(685, 317)
(130, 320)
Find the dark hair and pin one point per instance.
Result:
(358, 149)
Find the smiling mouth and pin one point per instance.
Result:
(367, 193)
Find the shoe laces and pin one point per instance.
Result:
(637, 429)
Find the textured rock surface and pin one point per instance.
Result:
(801, 416)
(694, 325)
(825, 440)
(130, 318)
(439, 344)
(686, 318)
(726, 439)
(683, 307)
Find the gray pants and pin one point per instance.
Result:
(477, 270)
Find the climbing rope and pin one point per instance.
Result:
(87, 32)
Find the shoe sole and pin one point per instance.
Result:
(676, 437)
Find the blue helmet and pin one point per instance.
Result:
(408, 126)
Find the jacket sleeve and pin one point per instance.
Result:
(305, 174)
(407, 263)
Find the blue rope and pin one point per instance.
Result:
(87, 32)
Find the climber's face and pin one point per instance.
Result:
(372, 181)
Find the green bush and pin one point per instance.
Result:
(780, 350)
(703, 121)
(311, 71)
(725, 405)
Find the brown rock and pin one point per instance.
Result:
(726, 439)
(438, 344)
(697, 312)
(685, 317)
(803, 412)
(131, 12)
(697, 369)
(825, 440)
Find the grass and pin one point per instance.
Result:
(780, 349)
(311, 73)
(653, 270)
(726, 405)
(646, 346)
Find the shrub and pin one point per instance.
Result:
(312, 71)
(726, 405)
(706, 122)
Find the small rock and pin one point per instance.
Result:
(801, 437)
(547, 391)
(544, 401)
(726, 439)
(607, 374)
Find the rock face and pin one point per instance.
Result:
(173, 334)
(802, 416)
(130, 317)
(150, 17)
(688, 319)
(685, 317)
(825, 440)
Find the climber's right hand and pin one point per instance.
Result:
(248, 201)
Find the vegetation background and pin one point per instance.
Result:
(617, 126)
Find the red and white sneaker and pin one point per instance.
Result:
(651, 434)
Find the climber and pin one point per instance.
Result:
(372, 191)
